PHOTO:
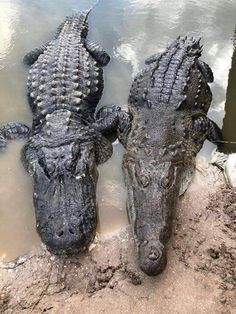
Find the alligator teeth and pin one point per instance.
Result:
(88, 83)
(48, 116)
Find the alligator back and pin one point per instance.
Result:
(173, 78)
(66, 76)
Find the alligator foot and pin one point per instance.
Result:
(97, 52)
(112, 118)
(103, 150)
(12, 130)
(202, 124)
(33, 55)
(205, 70)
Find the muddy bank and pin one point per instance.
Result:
(199, 278)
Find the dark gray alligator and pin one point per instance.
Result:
(63, 149)
(168, 104)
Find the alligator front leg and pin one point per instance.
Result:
(208, 129)
(12, 130)
(97, 52)
(33, 55)
(112, 118)
(205, 70)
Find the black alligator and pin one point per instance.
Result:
(65, 84)
(168, 104)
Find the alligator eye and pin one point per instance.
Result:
(144, 180)
(165, 182)
(168, 177)
(142, 175)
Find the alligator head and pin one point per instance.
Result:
(65, 178)
(152, 192)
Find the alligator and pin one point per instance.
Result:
(63, 148)
(164, 129)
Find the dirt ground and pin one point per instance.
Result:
(200, 276)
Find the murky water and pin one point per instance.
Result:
(130, 30)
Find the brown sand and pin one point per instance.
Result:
(200, 276)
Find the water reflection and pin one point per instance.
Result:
(7, 13)
(130, 31)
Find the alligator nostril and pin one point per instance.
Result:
(153, 256)
(71, 231)
(60, 233)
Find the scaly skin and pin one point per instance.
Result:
(65, 84)
(168, 103)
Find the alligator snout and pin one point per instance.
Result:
(66, 240)
(152, 258)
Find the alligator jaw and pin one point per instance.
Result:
(66, 206)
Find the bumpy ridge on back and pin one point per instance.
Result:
(66, 76)
(169, 74)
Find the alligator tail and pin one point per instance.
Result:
(77, 22)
